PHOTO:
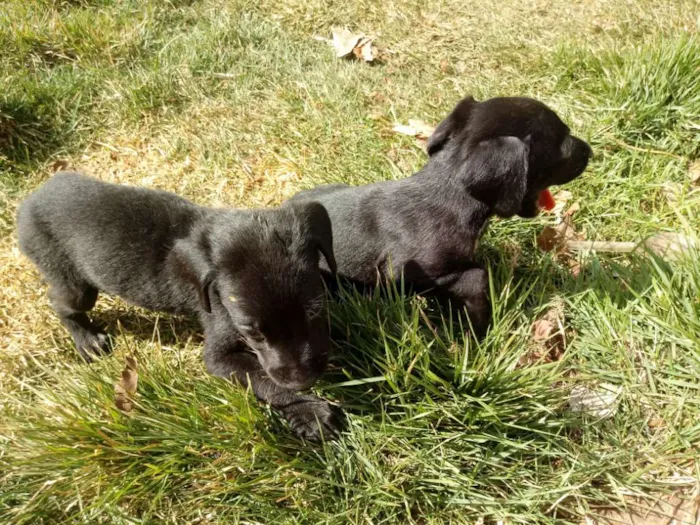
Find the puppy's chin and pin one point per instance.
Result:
(529, 208)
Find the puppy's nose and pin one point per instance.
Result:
(588, 150)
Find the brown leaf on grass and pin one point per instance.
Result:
(415, 128)
(554, 238)
(423, 130)
(601, 402)
(672, 191)
(363, 50)
(561, 198)
(548, 339)
(576, 206)
(404, 129)
(542, 329)
(344, 41)
(125, 388)
(548, 239)
(694, 173)
(574, 267)
(656, 422)
(60, 164)
(348, 44)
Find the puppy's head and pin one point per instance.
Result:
(507, 151)
(264, 275)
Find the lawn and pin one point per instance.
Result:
(238, 103)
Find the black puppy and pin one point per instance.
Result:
(486, 158)
(252, 277)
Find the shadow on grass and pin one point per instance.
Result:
(167, 330)
(31, 127)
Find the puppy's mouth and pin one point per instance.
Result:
(536, 201)
(545, 200)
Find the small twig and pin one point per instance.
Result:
(602, 246)
(668, 245)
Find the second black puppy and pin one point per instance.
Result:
(252, 277)
(486, 158)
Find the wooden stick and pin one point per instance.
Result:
(602, 246)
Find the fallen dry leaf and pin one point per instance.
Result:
(694, 173)
(363, 50)
(405, 130)
(60, 164)
(561, 198)
(548, 338)
(574, 267)
(348, 44)
(672, 191)
(344, 42)
(555, 238)
(125, 388)
(576, 206)
(423, 130)
(656, 422)
(542, 329)
(415, 128)
(600, 403)
(548, 239)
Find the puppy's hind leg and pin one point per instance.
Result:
(71, 301)
(71, 295)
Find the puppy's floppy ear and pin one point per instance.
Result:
(496, 173)
(318, 223)
(454, 123)
(192, 263)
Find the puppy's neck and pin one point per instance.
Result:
(438, 193)
(441, 184)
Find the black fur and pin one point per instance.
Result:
(251, 276)
(486, 158)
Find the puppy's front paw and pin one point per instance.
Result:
(93, 345)
(313, 419)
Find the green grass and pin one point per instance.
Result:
(440, 429)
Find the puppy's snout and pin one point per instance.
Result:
(587, 150)
(583, 149)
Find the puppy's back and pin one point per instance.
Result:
(116, 237)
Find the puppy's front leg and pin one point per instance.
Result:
(470, 289)
(225, 356)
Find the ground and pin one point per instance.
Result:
(238, 103)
